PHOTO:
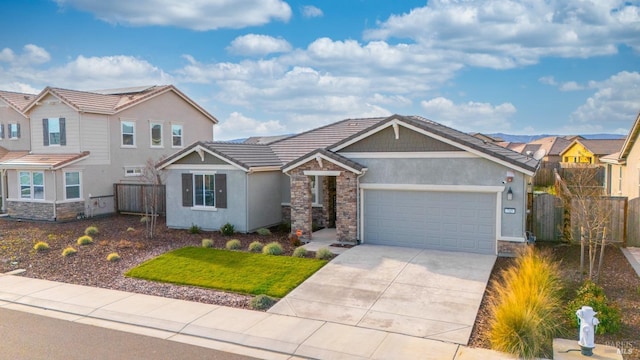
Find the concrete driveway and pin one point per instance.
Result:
(425, 293)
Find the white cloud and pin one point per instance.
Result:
(31, 55)
(470, 116)
(616, 102)
(254, 44)
(19, 87)
(238, 126)
(7, 55)
(195, 14)
(310, 11)
(510, 33)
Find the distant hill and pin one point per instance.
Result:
(529, 138)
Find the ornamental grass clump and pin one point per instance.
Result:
(324, 254)
(300, 252)
(113, 257)
(234, 244)
(263, 232)
(85, 240)
(525, 307)
(256, 246)
(272, 248)
(262, 302)
(207, 243)
(68, 251)
(91, 231)
(41, 246)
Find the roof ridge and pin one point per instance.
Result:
(324, 127)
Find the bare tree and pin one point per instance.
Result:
(154, 178)
(590, 212)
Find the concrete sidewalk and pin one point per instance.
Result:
(252, 333)
(633, 256)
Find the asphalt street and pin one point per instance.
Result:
(25, 336)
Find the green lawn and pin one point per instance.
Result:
(236, 271)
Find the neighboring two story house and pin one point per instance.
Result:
(61, 151)
(589, 151)
(623, 166)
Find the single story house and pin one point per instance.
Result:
(399, 180)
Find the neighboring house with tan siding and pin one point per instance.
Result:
(623, 167)
(81, 143)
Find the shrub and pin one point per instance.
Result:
(272, 248)
(130, 229)
(324, 254)
(124, 244)
(41, 246)
(103, 242)
(525, 306)
(300, 252)
(207, 243)
(256, 246)
(590, 294)
(194, 229)
(69, 251)
(144, 219)
(263, 232)
(91, 231)
(85, 240)
(113, 257)
(284, 227)
(262, 302)
(294, 240)
(227, 229)
(234, 244)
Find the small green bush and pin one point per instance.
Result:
(227, 229)
(85, 240)
(324, 254)
(256, 246)
(272, 248)
(590, 294)
(143, 219)
(207, 243)
(234, 244)
(194, 229)
(41, 246)
(69, 251)
(284, 227)
(91, 231)
(300, 252)
(263, 232)
(262, 302)
(130, 229)
(113, 257)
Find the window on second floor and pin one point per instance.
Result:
(128, 129)
(31, 185)
(54, 131)
(156, 135)
(176, 135)
(1, 131)
(14, 131)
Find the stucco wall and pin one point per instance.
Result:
(9, 116)
(264, 199)
(182, 217)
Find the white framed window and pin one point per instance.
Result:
(14, 131)
(31, 185)
(155, 130)
(204, 190)
(128, 131)
(72, 189)
(313, 181)
(133, 171)
(53, 131)
(176, 135)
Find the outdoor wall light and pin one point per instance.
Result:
(509, 194)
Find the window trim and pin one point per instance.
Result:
(66, 186)
(122, 134)
(130, 171)
(314, 189)
(9, 132)
(215, 197)
(151, 125)
(31, 185)
(181, 136)
(62, 137)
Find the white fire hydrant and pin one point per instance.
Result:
(588, 323)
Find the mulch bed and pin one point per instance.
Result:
(619, 281)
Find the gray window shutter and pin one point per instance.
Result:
(221, 191)
(1, 131)
(45, 132)
(187, 190)
(63, 132)
(18, 129)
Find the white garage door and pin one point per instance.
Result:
(460, 221)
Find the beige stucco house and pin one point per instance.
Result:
(72, 146)
(623, 167)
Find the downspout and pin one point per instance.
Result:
(358, 209)
(3, 189)
(246, 199)
(55, 196)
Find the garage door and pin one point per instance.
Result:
(460, 221)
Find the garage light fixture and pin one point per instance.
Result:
(509, 194)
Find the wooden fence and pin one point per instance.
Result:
(550, 220)
(545, 176)
(633, 222)
(132, 198)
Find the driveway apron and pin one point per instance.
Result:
(425, 293)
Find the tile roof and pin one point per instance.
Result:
(40, 161)
(553, 145)
(16, 100)
(602, 146)
(631, 139)
(331, 155)
(246, 155)
(301, 144)
(265, 139)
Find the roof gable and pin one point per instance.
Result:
(246, 157)
(598, 147)
(401, 140)
(16, 101)
(631, 139)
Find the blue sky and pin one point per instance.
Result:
(267, 67)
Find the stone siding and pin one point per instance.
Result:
(510, 248)
(69, 210)
(32, 210)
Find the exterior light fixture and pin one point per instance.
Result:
(509, 194)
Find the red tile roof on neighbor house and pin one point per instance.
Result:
(16, 100)
(22, 159)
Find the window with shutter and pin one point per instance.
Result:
(187, 190)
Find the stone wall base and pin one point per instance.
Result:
(510, 248)
(45, 211)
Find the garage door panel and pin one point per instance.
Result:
(439, 220)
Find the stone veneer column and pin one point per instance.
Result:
(300, 203)
(346, 207)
